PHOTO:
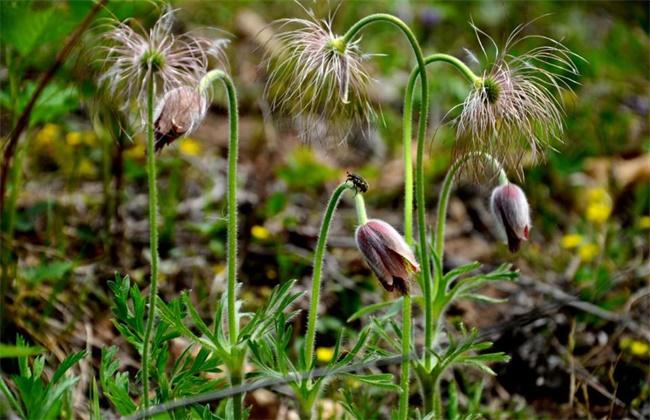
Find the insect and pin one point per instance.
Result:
(359, 183)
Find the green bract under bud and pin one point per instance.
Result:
(337, 45)
(153, 59)
(492, 90)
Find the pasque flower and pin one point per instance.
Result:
(390, 258)
(179, 113)
(512, 107)
(317, 77)
(131, 56)
(511, 211)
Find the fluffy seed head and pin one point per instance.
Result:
(131, 56)
(317, 78)
(510, 209)
(512, 107)
(386, 252)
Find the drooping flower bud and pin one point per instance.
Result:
(510, 209)
(181, 111)
(385, 250)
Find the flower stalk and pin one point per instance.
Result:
(233, 150)
(318, 271)
(153, 242)
(424, 113)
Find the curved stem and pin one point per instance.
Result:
(318, 269)
(233, 147)
(445, 193)
(424, 113)
(429, 288)
(153, 241)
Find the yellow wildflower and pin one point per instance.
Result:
(48, 134)
(644, 223)
(571, 241)
(89, 138)
(599, 205)
(73, 138)
(86, 168)
(190, 147)
(588, 252)
(324, 354)
(260, 232)
(636, 347)
(136, 152)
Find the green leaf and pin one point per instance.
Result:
(67, 363)
(369, 309)
(481, 298)
(7, 351)
(383, 380)
(49, 271)
(115, 385)
(95, 413)
(453, 410)
(21, 27)
(11, 398)
(459, 271)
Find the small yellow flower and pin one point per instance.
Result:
(89, 138)
(190, 147)
(599, 212)
(86, 168)
(599, 205)
(596, 195)
(588, 252)
(324, 354)
(644, 223)
(571, 241)
(636, 347)
(260, 232)
(48, 134)
(136, 152)
(73, 138)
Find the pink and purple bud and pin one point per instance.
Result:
(510, 208)
(182, 110)
(386, 252)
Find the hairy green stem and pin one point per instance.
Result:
(407, 132)
(318, 272)
(424, 113)
(361, 209)
(429, 286)
(233, 150)
(153, 241)
(445, 193)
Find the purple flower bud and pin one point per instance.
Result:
(387, 254)
(181, 111)
(510, 209)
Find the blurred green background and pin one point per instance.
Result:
(76, 213)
